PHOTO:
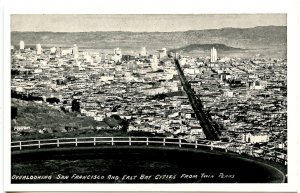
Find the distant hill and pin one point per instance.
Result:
(267, 41)
(243, 38)
(204, 47)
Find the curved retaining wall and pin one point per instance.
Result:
(152, 156)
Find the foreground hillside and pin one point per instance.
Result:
(49, 122)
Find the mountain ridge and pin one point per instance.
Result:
(243, 38)
(224, 28)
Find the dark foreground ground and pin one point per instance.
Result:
(140, 165)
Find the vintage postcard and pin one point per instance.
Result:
(159, 101)
(156, 99)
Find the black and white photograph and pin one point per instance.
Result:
(148, 98)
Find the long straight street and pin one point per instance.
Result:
(209, 129)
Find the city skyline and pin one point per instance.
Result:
(141, 23)
(91, 102)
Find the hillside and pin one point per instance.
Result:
(57, 122)
(244, 38)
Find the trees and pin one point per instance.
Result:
(14, 112)
(125, 125)
(76, 105)
(52, 100)
(159, 96)
(116, 120)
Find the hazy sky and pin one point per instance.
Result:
(141, 23)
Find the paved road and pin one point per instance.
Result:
(206, 123)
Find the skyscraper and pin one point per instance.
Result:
(38, 49)
(22, 45)
(213, 55)
(154, 63)
(164, 51)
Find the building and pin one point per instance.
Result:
(66, 52)
(59, 51)
(22, 45)
(117, 51)
(213, 55)
(117, 57)
(75, 51)
(143, 51)
(228, 93)
(38, 49)
(258, 84)
(88, 58)
(53, 50)
(162, 53)
(154, 63)
(255, 138)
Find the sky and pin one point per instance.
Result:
(141, 23)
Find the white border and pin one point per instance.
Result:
(161, 7)
(1, 95)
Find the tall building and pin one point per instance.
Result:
(38, 49)
(22, 45)
(162, 53)
(117, 51)
(117, 57)
(53, 50)
(154, 63)
(75, 51)
(143, 51)
(59, 51)
(88, 58)
(213, 55)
